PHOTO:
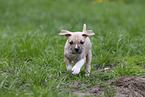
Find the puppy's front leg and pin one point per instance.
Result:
(88, 65)
(68, 64)
(78, 65)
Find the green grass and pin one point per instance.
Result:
(31, 51)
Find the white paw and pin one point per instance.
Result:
(75, 70)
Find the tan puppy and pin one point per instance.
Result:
(78, 50)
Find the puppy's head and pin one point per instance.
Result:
(76, 40)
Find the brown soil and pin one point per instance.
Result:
(121, 87)
(133, 86)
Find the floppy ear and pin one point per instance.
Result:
(65, 32)
(88, 33)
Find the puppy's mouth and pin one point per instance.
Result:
(76, 52)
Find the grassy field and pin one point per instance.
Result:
(31, 51)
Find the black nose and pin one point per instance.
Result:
(77, 49)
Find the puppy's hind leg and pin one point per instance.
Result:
(88, 65)
(68, 64)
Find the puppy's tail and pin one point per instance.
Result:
(84, 28)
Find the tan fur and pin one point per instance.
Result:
(80, 41)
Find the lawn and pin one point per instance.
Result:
(31, 51)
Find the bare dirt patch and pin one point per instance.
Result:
(121, 87)
(131, 86)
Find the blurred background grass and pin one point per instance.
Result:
(31, 52)
(120, 1)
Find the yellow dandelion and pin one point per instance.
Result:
(106, 1)
(121, 2)
(99, 1)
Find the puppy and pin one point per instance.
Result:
(78, 50)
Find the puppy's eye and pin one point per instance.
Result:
(81, 42)
(71, 42)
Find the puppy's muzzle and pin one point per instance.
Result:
(76, 49)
